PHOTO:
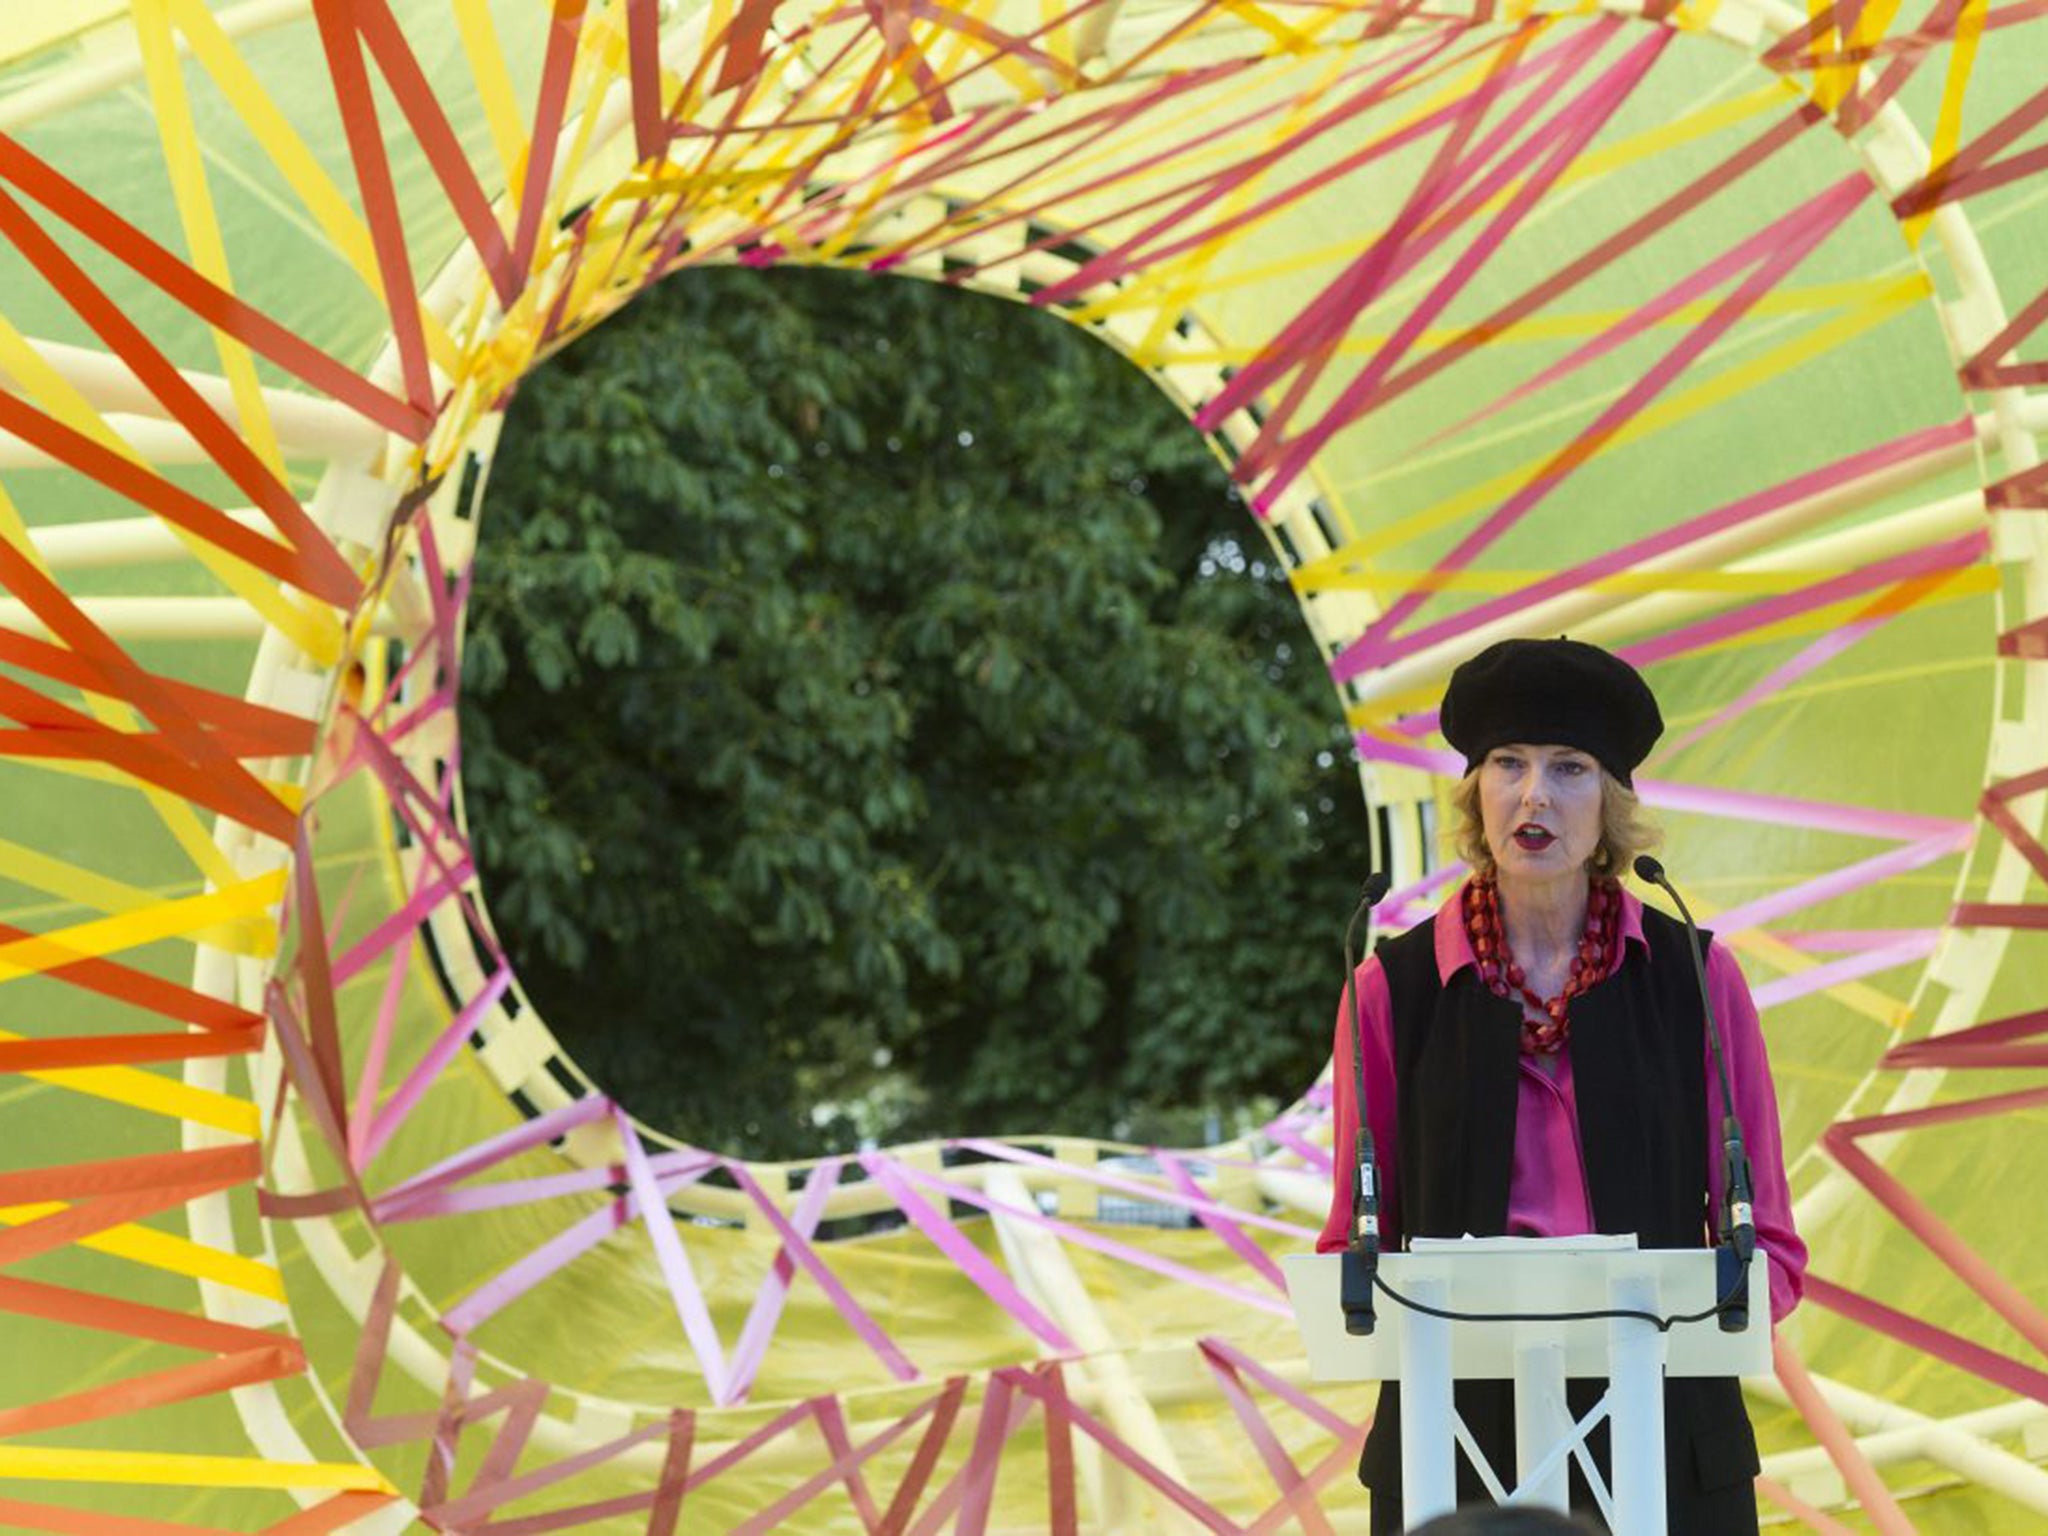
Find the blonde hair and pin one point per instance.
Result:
(1624, 830)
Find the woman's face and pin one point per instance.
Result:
(1540, 808)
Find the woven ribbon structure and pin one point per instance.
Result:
(1713, 331)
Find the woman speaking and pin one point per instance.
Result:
(1536, 1059)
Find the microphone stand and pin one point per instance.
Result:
(1737, 1243)
(1360, 1262)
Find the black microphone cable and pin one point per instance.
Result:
(1736, 1294)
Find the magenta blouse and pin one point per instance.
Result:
(1547, 1188)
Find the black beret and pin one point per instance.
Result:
(1552, 693)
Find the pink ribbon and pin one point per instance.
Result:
(1786, 811)
(797, 1249)
(1082, 1237)
(439, 1054)
(1295, 1492)
(1225, 1227)
(1287, 1136)
(559, 1251)
(1365, 653)
(1187, 1194)
(1808, 893)
(1864, 963)
(400, 924)
(950, 1241)
(1544, 156)
(377, 1051)
(581, 1515)
(1954, 554)
(1999, 1044)
(485, 1154)
(1796, 236)
(1220, 1352)
(510, 1192)
(1423, 223)
(1855, 940)
(845, 1468)
(766, 1311)
(1117, 1447)
(683, 1289)
(1780, 677)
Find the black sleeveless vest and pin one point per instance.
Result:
(1637, 1051)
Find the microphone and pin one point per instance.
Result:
(1738, 1220)
(1360, 1261)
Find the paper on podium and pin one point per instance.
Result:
(1590, 1242)
(1528, 1274)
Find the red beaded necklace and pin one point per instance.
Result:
(1504, 978)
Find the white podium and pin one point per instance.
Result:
(1491, 1275)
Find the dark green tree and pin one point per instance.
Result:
(876, 723)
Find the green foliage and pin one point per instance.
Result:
(874, 727)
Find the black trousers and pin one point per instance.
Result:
(1710, 1461)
